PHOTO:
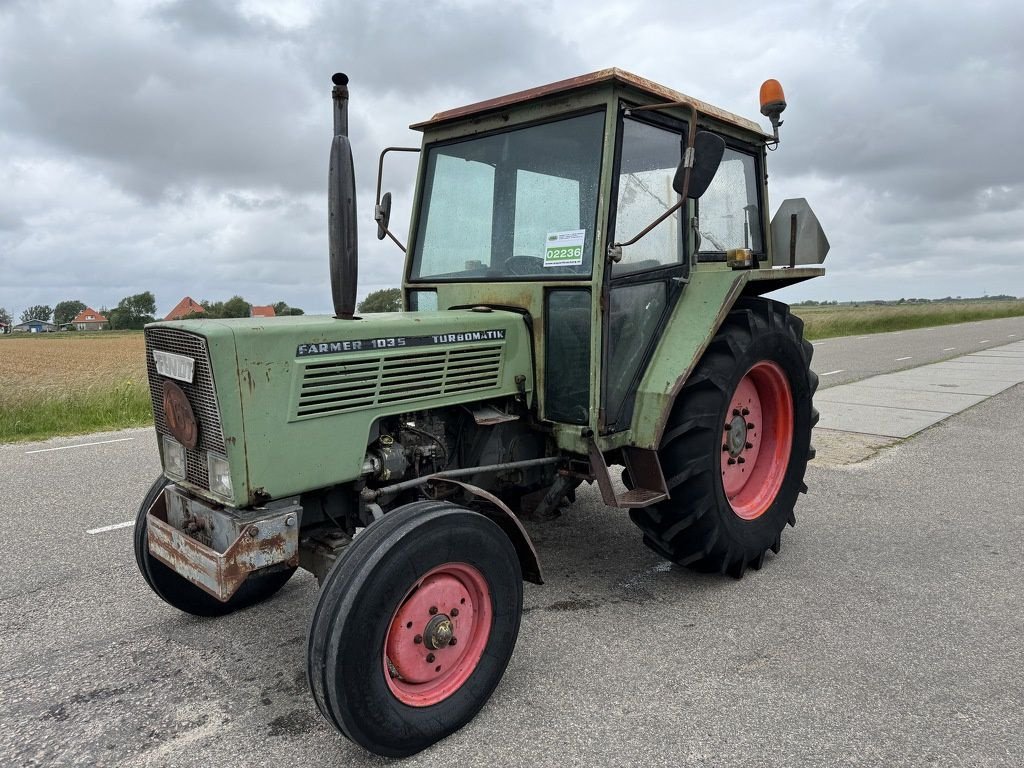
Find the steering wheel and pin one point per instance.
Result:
(523, 266)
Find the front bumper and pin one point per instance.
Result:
(217, 549)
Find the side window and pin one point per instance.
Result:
(650, 156)
(728, 214)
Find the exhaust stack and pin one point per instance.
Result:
(341, 208)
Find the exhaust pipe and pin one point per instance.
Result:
(341, 208)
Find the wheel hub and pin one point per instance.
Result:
(737, 438)
(439, 632)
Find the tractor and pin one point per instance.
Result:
(583, 290)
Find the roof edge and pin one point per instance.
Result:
(658, 91)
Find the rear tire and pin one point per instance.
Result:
(369, 675)
(182, 594)
(736, 444)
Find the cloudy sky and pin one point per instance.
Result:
(180, 146)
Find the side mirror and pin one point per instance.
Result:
(708, 149)
(382, 215)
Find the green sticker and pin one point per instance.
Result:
(564, 249)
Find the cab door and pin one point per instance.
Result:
(641, 289)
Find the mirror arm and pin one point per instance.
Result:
(380, 174)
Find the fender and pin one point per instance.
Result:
(506, 519)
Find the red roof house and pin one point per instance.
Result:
(186, 306)
(258, 311)
(89, 320)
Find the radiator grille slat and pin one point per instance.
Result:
(201, 393)
(338, 387)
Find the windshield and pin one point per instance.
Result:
(515, 205)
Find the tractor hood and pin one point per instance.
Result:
(290, 401)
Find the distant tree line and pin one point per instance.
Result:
(133, 312)
(236, 306)
(895, 302)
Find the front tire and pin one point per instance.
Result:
(736, 444)
(182, 594)
(380, 662)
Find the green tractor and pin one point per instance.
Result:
(583, 289)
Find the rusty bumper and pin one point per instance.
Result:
(227, 546)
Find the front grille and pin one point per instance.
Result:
(201, 393)
(338, 387)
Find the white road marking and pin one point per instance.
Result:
(948, 349)
(984, 341)
(831, 373)
(861, 337)
(909, 357)
(114, 527)
(1011, 335)
(80, 445)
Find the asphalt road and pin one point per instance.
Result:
(849, 358)
(889, 631)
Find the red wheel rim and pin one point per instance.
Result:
(757, 439)
(438, 634)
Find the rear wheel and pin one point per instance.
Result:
(183, 594)
(736, 444)
(414, 627)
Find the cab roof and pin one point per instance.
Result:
(659, 93)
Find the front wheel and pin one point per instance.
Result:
(414, 627)
(736, 444)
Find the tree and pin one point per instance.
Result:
(133, 311)
(5, 317)
(38, 312)
(384, 300)
(66, 311)
(281, 309)
(236, 306)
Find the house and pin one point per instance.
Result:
(258, 311)
(89, 320)
(186, 306)
(35, 326)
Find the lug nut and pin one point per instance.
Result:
(741, 460)
(452, 641)
(746, 411)
(430, 658)
(727, 427)
(455, 611)
(735, 411)
(418, 639)
(750, 445)
(750, 425)
(433, 610)
(725, 447)
(732, 461)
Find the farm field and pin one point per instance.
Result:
(71, 383)
(826, 321)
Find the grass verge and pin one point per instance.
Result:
(845, 320)
(94, 409)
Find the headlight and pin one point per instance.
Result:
(174, 458)
(220, 475)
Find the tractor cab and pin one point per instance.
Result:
(565, 203)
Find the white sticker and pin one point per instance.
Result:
(564, 249)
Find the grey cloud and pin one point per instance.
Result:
(181, 146)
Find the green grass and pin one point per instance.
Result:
(860, 320)
(96, 409)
